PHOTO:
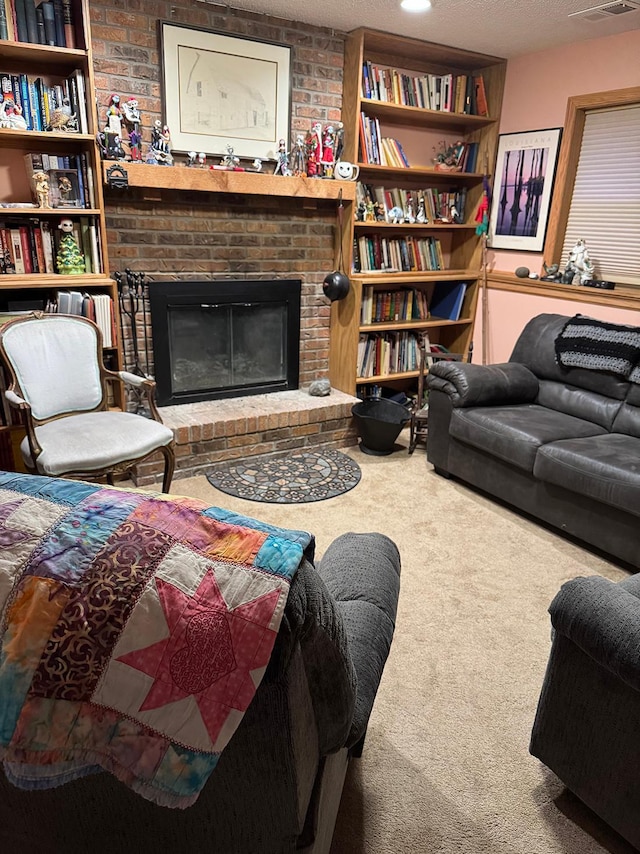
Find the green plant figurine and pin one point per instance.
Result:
(69, 259)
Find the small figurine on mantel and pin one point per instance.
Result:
(113, 130)
(131, 117)
(282, 160)
(230, 160)
(160, 150)
(69, 260)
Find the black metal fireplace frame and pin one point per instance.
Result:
(167, 294)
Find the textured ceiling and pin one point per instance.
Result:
(505, 28)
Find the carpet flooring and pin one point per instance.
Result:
(446, 767)
(290, 478)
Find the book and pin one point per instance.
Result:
(4, 26)
(482, 108)
(32, 23)
(446, 300)
(69, 24)
(58, 15)
(49, 22)
(22, 32)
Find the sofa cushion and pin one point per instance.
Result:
(579, 402)
(605, 468)
(627, 420)
(535, 348)
(514, 433)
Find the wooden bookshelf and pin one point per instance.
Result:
(460, 245)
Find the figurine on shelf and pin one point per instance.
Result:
(369, 210)
(327, 156)
(579, 267)
(41, 185)
(299, 157)
(551, 273)
(113, 130)
(313, 143)
(378, 209)
(63, 119)
(160, 151)
(257, 165)
(11, 114)
(230, 160)
(421, 214)
(338, 141)
(65, 189)
(192, 159)
(282, 160)
(69, 260)
(409, 215)
(115, 151)
(454, 215)
(202, 160)
(132, 119)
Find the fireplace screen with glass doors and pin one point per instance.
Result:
(215, 339)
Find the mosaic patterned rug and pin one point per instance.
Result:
(290, 478)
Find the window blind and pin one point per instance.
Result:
(605, 207)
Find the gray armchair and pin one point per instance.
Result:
(59, 385)
(586, 725)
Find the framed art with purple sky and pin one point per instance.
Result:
(525, 169)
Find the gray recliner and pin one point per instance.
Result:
(277, 786)
(586, 728)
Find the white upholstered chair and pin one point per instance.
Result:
(59, 383)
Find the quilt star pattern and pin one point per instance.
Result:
(135, 629)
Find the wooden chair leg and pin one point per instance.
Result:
(169, 466)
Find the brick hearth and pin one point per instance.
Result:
(209, 432)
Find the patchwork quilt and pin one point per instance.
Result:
(135, 630)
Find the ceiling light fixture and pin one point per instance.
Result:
(416, 5)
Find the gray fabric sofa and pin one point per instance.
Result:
(586, 725)
(278, 783)
(561, 444)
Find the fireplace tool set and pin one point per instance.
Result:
(134, 319)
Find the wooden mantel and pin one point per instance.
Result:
(218, 181)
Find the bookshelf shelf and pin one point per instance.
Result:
(26, 54)
(37, 139)
(410, 133)
(400, 114)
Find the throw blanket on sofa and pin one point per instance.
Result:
(596, 345)
(135, 631)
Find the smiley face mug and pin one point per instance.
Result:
(345, 171)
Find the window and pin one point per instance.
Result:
(597, 194)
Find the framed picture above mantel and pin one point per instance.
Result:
(221, 90)
(524, 174)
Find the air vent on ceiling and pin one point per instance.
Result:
(606, 10)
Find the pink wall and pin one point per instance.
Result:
(536, 91)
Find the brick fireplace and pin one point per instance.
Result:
(177, 233)
(185, 236)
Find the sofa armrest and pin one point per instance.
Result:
(362, 573)
(483, 385)
(603, 620)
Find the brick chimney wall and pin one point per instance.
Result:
(214, 235)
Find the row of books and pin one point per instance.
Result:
(70, 178)
(437, 203)
(456, 93)
(32, 246)
(49, 22)
(46, 105)
(386, 306)
(373, 254)
(378, 150)
(97, 307)
(381, 354)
